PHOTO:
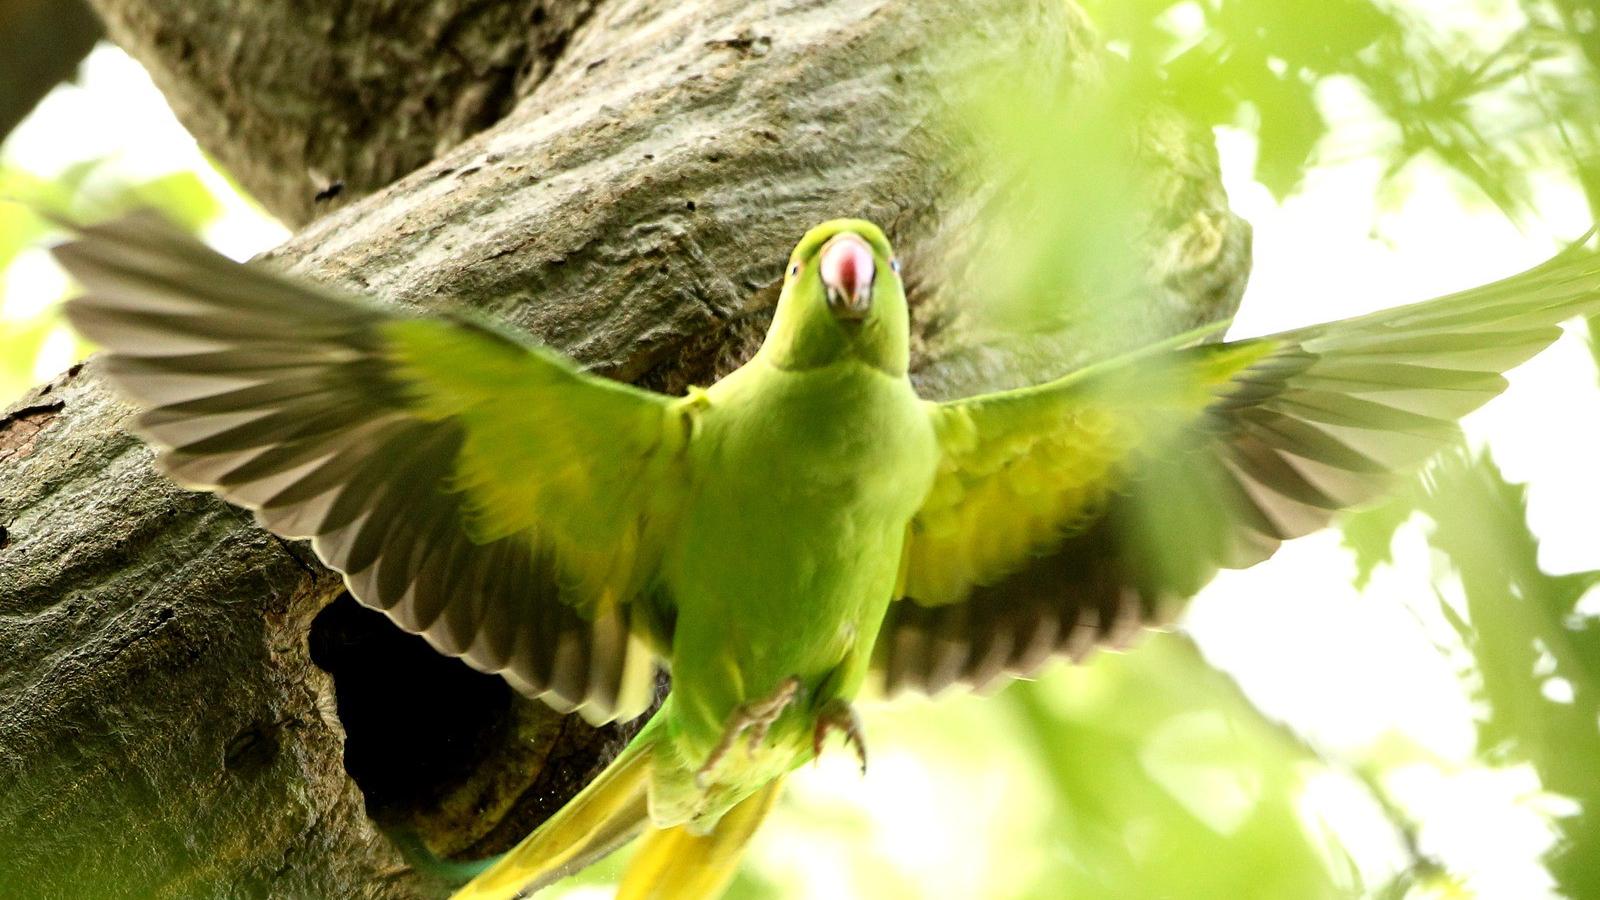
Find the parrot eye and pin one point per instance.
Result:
(895, 265)
(794, 270)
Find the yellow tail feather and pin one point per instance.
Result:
(676, 864)
(604, 815)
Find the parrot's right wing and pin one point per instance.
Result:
(483, 493)
(1080, 510)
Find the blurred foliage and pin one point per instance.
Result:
(1494, 104)
(1535, 659)
(1143, 775)
(1103, 226)
(87, 192)
(1168, 783)
(1062, 213)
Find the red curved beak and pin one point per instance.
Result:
(847, 270)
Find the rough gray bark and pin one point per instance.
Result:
(312, 103)
(166, 726)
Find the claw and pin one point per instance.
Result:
(756, 717)
(838, 715)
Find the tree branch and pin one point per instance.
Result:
(41, 44)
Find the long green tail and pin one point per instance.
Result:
(602, 817)
(677, 864)
(672, 864)
(419, 857)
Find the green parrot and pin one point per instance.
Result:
(779, 541)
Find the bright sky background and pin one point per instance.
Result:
(1348, 671)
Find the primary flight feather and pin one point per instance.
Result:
(776, 540)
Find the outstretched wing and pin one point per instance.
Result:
(485, 494)
(1078, 511)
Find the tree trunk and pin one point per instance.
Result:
(41, 44)
(182, 710)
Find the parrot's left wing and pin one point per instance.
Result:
(1079, 511)
(484, 493)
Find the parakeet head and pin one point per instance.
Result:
(842, 298)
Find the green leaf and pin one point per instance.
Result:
(1523, 633)
(1369, 534)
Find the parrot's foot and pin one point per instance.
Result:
(837, 715)
(754, 717)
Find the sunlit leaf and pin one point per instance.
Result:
(86, 191)
(1369, 533)
(1536, 659)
